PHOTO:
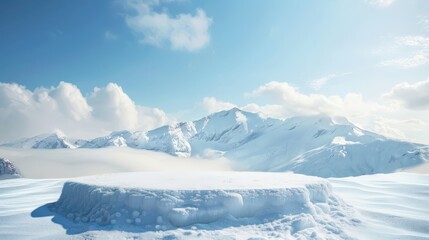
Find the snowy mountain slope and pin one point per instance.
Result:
(321, 146)
(380, 156)
(222, 131)
(316, 145)
(116, 139)
(170, 139)
(226, 130)
(46, 141)
(7, 169)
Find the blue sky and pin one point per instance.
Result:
(328, 48)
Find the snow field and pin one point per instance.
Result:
(382, 206)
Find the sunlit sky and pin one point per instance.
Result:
(90, 67)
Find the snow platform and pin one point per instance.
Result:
(181, 199)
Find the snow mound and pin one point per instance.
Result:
(7, 169)
(169, 200)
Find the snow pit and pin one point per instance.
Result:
(182, 199)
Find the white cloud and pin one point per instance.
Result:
(114, 107)
(413, 96)
(211, 105)
(317, 84)
(69, 101)
(182, 32)
(320, 82)
(397, 128)
(381, 3)
(419, 45)
(294, 102)
(152, 117)
(25, 113)
(414, 61)
(110, 36)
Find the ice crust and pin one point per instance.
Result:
(181, 200)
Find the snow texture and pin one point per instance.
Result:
(385, 206)
(179, 200)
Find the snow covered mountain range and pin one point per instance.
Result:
(314, 145)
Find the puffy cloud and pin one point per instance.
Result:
(26, 113)
(114, 107)
(413, 96)
(211, 105)
(151, 117)
(183, 32)
(69, 100)
(268, 110)
(294, 102)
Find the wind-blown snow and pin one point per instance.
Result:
(391, 206)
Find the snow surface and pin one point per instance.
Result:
(313, 145)
(383, 206)
(390, 206)
(182, 199)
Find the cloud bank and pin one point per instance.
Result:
(182, 32)
(26, 113)
(413, 96)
